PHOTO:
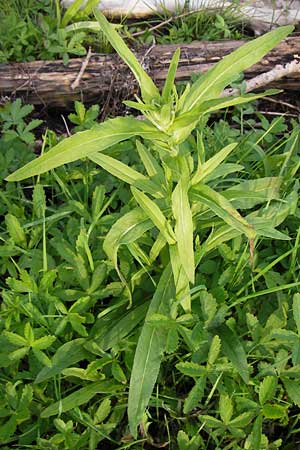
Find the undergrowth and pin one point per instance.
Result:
(85, 261)
(65, 326)
(31, 30)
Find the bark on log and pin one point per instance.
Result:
(49, 82)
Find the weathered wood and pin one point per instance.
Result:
(49, 82)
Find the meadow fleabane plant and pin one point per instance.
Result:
(176, 190)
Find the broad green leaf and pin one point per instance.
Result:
(154, 213)
(225, 408)
(169, 83)
(212, 164)
(267, 389)
(149, 353)
(212, 83)
(126, 230)
(296, 311)
(222, 208)
(234, 350)
(85, 143)
(292, 388)
(43, 342)
(125, 173)
(148, 89)
(195, 395)
(184, 228)
(157, 247)
(80, 397)
(68, 354)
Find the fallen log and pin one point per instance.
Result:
(50, 82)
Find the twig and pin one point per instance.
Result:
(76, 82)
(263, 79)
(170, 19)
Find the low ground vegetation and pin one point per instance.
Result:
(86, 247)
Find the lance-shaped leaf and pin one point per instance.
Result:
(85, 143)
(169, 83)
(80, 397)
(209, 166)
(222, 208)
(126, 230)
(148, 89)
(184, 228)
(212, 83)
(149, 353)
(125, 173)
(153, 211)
(181, 281)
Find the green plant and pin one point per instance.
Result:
(175, 200)
(82, 118)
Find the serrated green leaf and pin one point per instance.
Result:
(267, 389)
(225, 408)
(15, 230)
(214, 350)
(191, 369)
(195, 395)
(292, 388)
(274, 411)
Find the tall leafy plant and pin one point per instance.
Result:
(176, 197)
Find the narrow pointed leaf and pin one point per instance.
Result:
(125, 231)
(209, 166)
(153, 211)
(124, 172)
(169, 83)
(149, 353)
(184, 228)
(212, 83)
(223, 208)
(80, 397)
(85, 143)
(148, 89)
